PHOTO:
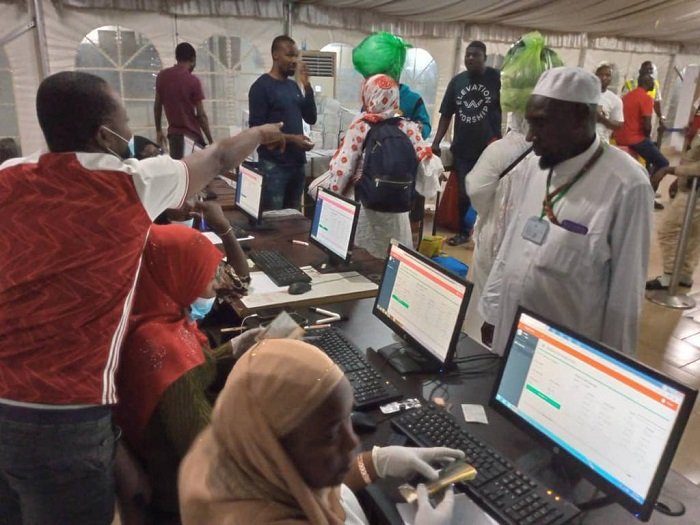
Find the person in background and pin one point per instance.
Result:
(648, 68)
(145, 148)
(636, 129)
(670, 229)
(180, 93)
(81, 215)
(280, 448)
(8, 149)
(577, 249)
(610, 116)
(413, 108)
(493, 184)
(167, 365)
(275, 97)
(473, 98)
(375, 229)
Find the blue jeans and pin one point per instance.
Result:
(56, 466)
(651, 154)
(283, 185)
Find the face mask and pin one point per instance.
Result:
(129, 144)
(189, 223)
(201, 307)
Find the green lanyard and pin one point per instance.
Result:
(552, 198)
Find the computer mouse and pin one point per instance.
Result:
(299, 288)
(363, 423)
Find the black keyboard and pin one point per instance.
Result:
(278, 268)
(509, 495)
(368, 385)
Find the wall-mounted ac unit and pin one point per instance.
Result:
(321, 66)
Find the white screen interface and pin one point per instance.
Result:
(424, 302)
(615, 419)
(332, 224)
(249, 191)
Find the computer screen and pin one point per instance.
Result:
(423, 303)
(334, 224)
(620, 419)
(249, 192)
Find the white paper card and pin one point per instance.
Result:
(465, 511)
(474, 414)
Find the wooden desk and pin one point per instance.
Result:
(364, 330)
(279, 237)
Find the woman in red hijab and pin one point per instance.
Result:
(166, 363)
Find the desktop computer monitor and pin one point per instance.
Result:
(618, 419)
(249, 192)
(425, 305)
(333, 228)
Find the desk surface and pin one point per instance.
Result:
(363, 329)
(279, 237)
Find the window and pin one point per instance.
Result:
(227, 66)
(420, 73)
(8, 113)
(129, 63)
(348, 82)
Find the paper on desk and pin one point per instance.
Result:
(322, 285)
(215, 239)
(474, 414)
(465, 511)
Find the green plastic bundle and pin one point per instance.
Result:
(523, 64)
(380, 53)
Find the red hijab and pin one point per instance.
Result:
(162, 343)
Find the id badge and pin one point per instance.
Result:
(536, 230)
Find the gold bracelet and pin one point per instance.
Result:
(363, 470)
(226, 232)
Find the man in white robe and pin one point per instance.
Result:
(578, 257)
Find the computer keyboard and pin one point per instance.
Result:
(369, 387)
(278, 268)
(509, 495)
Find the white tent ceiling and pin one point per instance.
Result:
(661, 20)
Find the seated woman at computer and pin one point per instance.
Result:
(280, 448)
(167, 364)
(380, 98)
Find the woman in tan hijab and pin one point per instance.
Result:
(281, 444)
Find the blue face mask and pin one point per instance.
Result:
(201, 307)
(189, 223)
(129, 144)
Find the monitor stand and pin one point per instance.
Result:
(259, 225)
(335, 264)
(406, 360)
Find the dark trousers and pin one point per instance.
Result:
(462, 168)
(651, 155)
(283, 185)
(176, 146)
(56, 466)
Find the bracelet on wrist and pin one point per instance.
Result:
(226, 232)
(363, 470)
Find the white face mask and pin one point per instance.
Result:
(189, 222)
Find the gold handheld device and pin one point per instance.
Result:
(455, 472)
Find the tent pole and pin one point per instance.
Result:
(36, 12)
(16, 33)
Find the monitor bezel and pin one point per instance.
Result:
(247, 166)
(644, 510)
(355, 220)
(415, 344)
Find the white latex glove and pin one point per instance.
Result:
(429, 515)
(241, 344)
(404, 462)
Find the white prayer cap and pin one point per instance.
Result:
(571, 84)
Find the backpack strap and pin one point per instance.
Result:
(515, 163)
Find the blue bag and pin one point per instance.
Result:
(454, 265)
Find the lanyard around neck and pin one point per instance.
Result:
(553, 197)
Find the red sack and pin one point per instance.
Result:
(447, 214)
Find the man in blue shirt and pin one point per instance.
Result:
(274, 97)
(413, 108)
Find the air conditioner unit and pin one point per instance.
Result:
(321, 66)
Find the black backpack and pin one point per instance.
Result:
(389, 168)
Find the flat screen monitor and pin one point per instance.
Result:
(249, 192)
(619, 420)
(425, 305)
(333, 228)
